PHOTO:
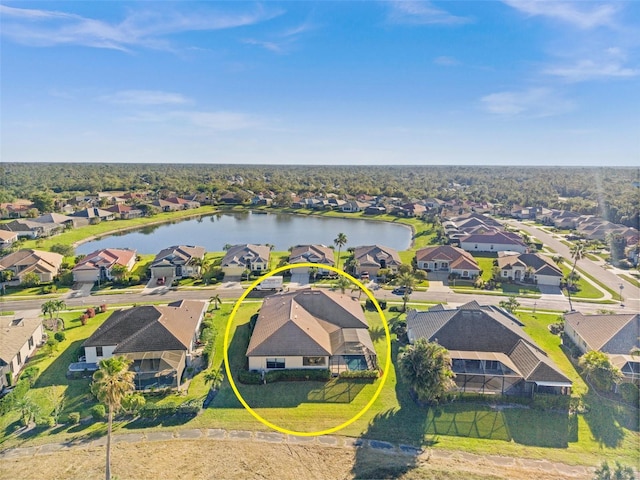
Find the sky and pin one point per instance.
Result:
(515, 82)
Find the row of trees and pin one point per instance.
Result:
(583, 190)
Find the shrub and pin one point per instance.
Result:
(249, 378)
(66, 279)
(298, 374)
(98, 412)
(47, 422)
(60, 336)
(630, 393)
(103, 308)
(9, 400)
(368, 374)
(83, 319)
(370, 306)
(133, 403)
(91, 312)
(49, 289)
(30, 374)
(62, 249)
(74, 418)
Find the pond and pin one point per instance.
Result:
(283, 231)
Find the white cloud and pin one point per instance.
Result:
(44, 28)
(533, 102)
(274, 47)
(217, 120)
(581, 14)
(591, 70)
(421, 12)
(446, 61)
(145, 97)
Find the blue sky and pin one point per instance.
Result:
(516, 82)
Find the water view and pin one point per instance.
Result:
(280, 230)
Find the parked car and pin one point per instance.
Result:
(364, 275)
(401, 290)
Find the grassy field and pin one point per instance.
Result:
(586, 289)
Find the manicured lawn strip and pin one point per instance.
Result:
(485, 262)
(7, 312)
(614, 294)
(587, 290)
(631, 280)
(33, 292)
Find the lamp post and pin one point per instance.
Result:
(621, 299)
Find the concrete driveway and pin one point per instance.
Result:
(82, 290)
(299, 280)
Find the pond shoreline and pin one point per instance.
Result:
(232, 210)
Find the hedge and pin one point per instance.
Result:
(188, 408)
(369, 374)
(299, 374)
(10, 399)
(368, 304)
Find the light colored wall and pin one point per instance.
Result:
(472, 273)
(548, 280)
(159, 272)
(90, 353)
(571, 333)
(260, 363)
(26, 352)
(486, 247)
(86, 276)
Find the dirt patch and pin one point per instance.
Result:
(229, 459)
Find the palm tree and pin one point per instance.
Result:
(216, 300)
(426, 367)
(340, 241)
(59, 305)
(342, 283)
(49, 308)
(215, 377)
(111, 382)
(577, 253)
(408, 281)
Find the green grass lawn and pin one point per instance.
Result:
(602, 433)
(631, 280)
(33, 291)
(586, 289)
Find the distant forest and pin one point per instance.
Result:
(613, 193)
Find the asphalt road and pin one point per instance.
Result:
(547, 302)
(630, 292)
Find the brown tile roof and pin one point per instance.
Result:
(456, 257)
(107, 257)
(307, 322)
(28, 260)
(150, 328)
(238, 255)
(541, 265)
(371, 255)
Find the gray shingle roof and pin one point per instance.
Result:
(606, 333)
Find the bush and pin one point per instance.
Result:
(47, 422)
(298, 374)
(630, 393)
(370, 306)
(249, 378)
(134, 279)
(551, 402)
(60, 336)
(30, 374)
(368, 374)
(66, 279)
(49, 289)
(9, 400)
(62, 249)
(74, 418)
(190, 408)
(91, 312)
(98, 412)
(103, 308)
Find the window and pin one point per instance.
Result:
(491, 247)
(31, 343)
(275, 362)
(313, 361)
(19, 358)
(476, 246)
(458, 365)
(491, 365)
(465, 273)
(99, 352)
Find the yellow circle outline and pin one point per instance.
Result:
(385, 371)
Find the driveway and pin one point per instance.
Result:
(299, 280)
(153, 288)
(83, 290)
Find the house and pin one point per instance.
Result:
(94, 214)
(64, 220)
(20, 338)
(124, 212)
(311, 329)
(173, 204)
(45, 264)
(97, 265)
(371, 258)
(31, 229)
(617, 335)
(490, 351)
(160, 340)
(320, 254)
(410, 210)
(177, 261)
(17, 209)
(529, 267)
(375, 210)
(492, 242)
(7, 239)
(449, 259)
(246, 257)
(230, 198)
(353, 206)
